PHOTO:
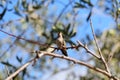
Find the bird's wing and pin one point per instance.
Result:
(59, 43)
(64, 43)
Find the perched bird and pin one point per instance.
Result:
(61, 44)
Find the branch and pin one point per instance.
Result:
(19, 70)
(18, 37)
(43, 53)
(77, 62)
(86, 48)
(66, 6)
(99, 51)
(77, 46)
(22, 68)
(11, 45)
(112, 52)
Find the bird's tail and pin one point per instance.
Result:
(64, 52)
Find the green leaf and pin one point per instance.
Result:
(79, 5)
(36, 7)
(3, 13)
(19, 59)
(8, 64)
(87, 2)
(68, 27)
(89, 16)
(74, 33)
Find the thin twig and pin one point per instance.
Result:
(66, 6)
(112, 52)
(11, 45)
(99, 51)
(18, 37)
(86, 48)
(8, 72)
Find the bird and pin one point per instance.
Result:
(61, 44)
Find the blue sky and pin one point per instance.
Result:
(101, 21)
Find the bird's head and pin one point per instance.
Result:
(60, 34)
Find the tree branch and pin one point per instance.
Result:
(77, 46)
(77, 62)
(19, 37)
(43, 53)
(99, 51)
(23, 67)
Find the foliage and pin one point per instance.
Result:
(34, 24)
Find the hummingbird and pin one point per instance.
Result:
(61, 44)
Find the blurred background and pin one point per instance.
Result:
(29, 25)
